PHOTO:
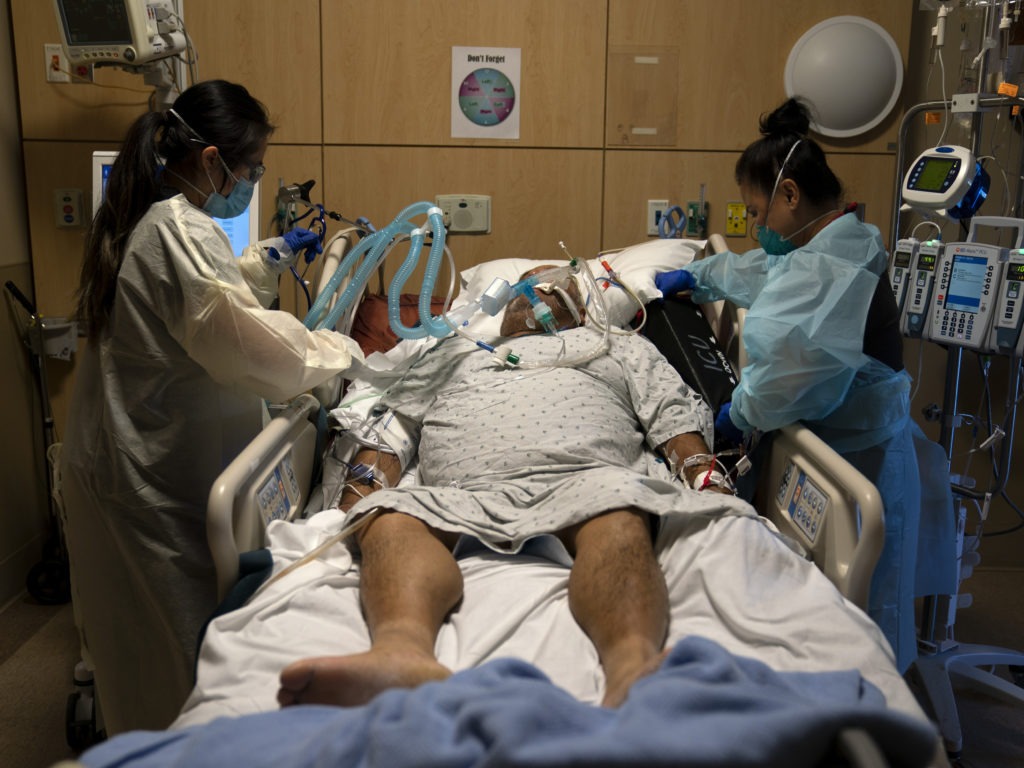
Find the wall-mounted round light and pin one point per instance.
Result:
(849, 70)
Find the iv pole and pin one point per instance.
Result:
(942, 658)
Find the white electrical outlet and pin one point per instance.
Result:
(56, 64)
(655, 209)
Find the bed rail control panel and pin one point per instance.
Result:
(903, 256)
(919, 290)
(805, 503)
(280, 495)
(967, 278)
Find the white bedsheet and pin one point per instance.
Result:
(730, 579)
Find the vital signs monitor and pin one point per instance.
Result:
(948, 180)
(125, 33)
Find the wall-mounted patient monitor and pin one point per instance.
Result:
(899, 268)
(125, 33)
(918, 298)
(242, 230)
(947, 180)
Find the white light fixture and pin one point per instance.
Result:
(850, 72)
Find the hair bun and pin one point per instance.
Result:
(791, 118)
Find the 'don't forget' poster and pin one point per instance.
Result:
(485, 92)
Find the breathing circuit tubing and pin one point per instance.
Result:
(376, 246)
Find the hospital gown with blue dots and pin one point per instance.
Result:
(509, 454)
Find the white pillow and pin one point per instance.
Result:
(636, 267)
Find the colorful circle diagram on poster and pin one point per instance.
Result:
(487, 97)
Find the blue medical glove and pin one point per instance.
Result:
(674, 282)
(725, 427)
(303, 241)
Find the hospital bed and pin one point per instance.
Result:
(748, 614)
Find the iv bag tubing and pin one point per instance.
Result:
(429, 325)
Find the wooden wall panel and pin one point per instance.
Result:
(732, 57)
(271, 48)
(239, 40)
(538, 196)
(634, 176)
(81, 112)
(56, 251)
(387, 68)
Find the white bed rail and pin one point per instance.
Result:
(269, 480)
(813, 495)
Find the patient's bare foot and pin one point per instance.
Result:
(349, 681)
(620, 680)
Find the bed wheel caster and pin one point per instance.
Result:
(80, 725)
(80, 712)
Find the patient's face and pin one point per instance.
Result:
(519, 319)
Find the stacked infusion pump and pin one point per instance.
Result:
(965, 294)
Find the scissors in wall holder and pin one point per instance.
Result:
(672, 223)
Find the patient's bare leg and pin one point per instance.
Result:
(409, 582)
(618, 596)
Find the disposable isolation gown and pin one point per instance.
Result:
(804, 338)
(164, 400)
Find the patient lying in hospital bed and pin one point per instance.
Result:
(768, 663)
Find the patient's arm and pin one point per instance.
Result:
(679, 448)
(387, 471)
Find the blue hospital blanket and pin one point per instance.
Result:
(703, 707)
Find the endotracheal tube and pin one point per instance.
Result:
(528, 286)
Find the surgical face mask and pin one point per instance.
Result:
(237, 200)
(773, 243)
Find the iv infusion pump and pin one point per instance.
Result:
(968, 275)
(919, 288)
(899, 270)
(1006, 327)
(977, 290)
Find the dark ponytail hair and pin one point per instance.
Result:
(224, 114)
(759, 164)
